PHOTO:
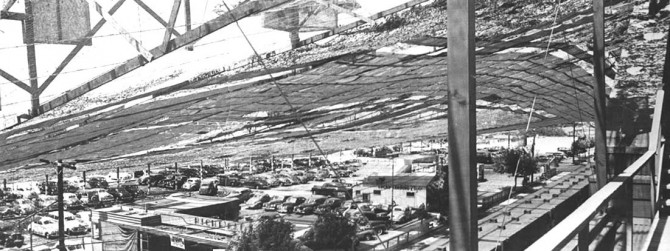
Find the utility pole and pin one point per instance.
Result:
(61, 221)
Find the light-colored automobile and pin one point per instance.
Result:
(47, 201)
(71, 245)
(25, 206)
(76, 182)
(71, 201)
(45, 226)
(191, 184)
(72, 225)
(84, 218)
(122, 177)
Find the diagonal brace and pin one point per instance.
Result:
(8, 5)
(15, 81)
(155, 16)
(136, 44)
(343, 10)
(80, 45)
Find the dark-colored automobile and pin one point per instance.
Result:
(173, 181)
(9, 239)
(151, 180)
(289, 205)
(274, 203)
(329, 205)
(310, 205)
(256, 183)
(229, 180)
(134, 190)
(96, 182)
(120, 194)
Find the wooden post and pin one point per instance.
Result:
(187, 17)
(599, 92)
(29, 40)
(118, 179)
(574, 138)
(83, 174)
(461, 122)
(149, 179)
(4, 184)
(201, 170)
(171, 23)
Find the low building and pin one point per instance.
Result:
(407, 190)
(185, 221)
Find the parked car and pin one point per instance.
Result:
(72, 225)
(191, 184)
(11, 239)
(84, 218)
(71, 201)
(256, 183)
(401, 215)
(274, 203)
(122, 177)
(209, 186)
(173, 181)
(44, 226)
(71, 245)
(134, 189)
(289, 205)
(230, 180)
(283, 180)
(96, 182)
(310, 205)
(48, 202)
(257, 200)
(151, 180)
(120, 194)
(329, 205)
(243, 194)
(25, 206)
(9, 212)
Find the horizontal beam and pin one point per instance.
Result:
(136, 44)
(242, 11)
(12, 15)
(15, 81)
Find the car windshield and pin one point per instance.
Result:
(292, 200)
(47, 222)
(69, 217)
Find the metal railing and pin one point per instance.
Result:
(615, 199)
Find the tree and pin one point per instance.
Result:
(508, 159)
(265, 234)
(330, 231)
(580, 146)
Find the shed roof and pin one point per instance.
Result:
(399, 180)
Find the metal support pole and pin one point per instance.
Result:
(83, 174)
(461, 121)
(599, 92)
(176, 169)
(201, 176)
(4, 184)
(61, 205)
(118, 178)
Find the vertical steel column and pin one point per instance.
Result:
(61, 205)
(29, 40)
(462, 128)
(599, 91)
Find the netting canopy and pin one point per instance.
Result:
(305, 16)
(60, 21)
